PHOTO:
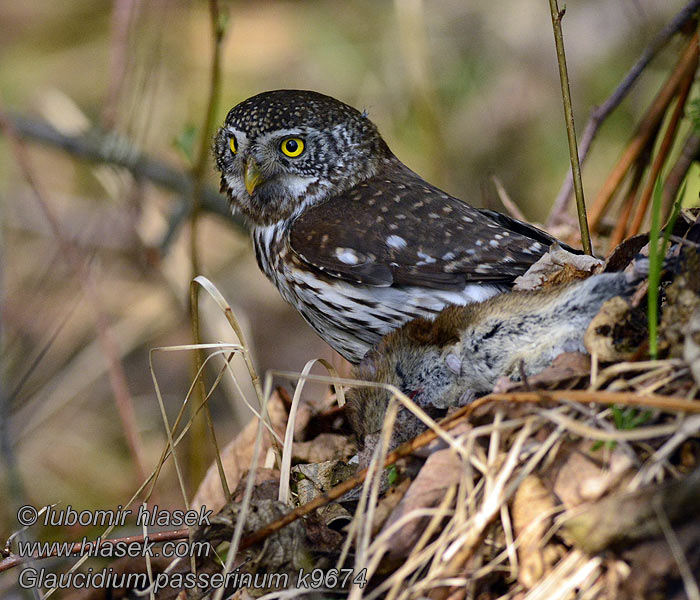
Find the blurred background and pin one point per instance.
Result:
(461, 90)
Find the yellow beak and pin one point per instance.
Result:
(252, 176)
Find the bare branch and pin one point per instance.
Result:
(601, 112)
(115, 150)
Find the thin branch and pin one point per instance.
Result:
(110, 148)
(459, 416)
(81, 548)
(664, 150)
(646, 130)
(198, 173)
(509, 205)
(601, 112)
(570, 128)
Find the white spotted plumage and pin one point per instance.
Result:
(334, 308)
(352, 238)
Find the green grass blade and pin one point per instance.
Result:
(655, 261)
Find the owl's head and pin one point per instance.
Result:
(284, 150)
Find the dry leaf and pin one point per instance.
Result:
(324, 447)
(319, 478)
(625, 252)
(325, 475)
(284, 551)
(531, 513)
(387, 503)
(440, 472)
(580, 476)
(563, 367)
(558, 263)
(237, 456)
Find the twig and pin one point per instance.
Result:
(115, 150)
(122, 18)
(570, 129)
(664, 150)
(198, 173)
(596, 397)
(646, 130)
(80, 548)
(620, 231)
(509, 205)
(601, 112)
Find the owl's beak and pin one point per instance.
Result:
(252, 176)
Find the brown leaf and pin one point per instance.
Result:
(557, 266)
(388, 502)
(532, 516)
(265, 487)
(439, 473)
(237, 456)
(581, 475)
(565, 366)
(324, 447)
(625, 252)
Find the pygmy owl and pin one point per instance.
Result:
(352, 238)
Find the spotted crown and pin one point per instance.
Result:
(352, 238)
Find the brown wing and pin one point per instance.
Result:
(400, 230)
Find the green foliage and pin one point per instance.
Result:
(655, 263)
(629, 417)
(392, 474)
(185, 142)
(625, 419)
(657, 253)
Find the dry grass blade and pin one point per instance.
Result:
(221, 302)
(285, 468)
(247, 494)
(570, 574)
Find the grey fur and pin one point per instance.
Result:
(502, 336)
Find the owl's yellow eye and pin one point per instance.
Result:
(232, 144)
(292, 147)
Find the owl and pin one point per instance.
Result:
(350, 236)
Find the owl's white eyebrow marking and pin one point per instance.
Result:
(241, 137)
(395, 241)
(280, 133)
(347, 256)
